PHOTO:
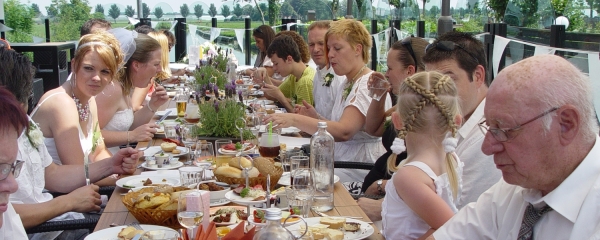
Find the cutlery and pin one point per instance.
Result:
(268, 194)
(138, 227)
(147, 146)
(86, 163)
(164, 116)
(325, 215)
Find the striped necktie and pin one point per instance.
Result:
(530, 217)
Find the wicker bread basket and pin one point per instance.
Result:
(167, 218)
(262, 180)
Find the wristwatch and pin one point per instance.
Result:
(379, 182)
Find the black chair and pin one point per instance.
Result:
(89, 222)
(353, 165)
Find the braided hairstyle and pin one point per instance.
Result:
(428, 103)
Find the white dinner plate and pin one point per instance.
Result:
(365, 231)
(111, 233)
(234, 197)
(219, 202)
(289, 130)
(265, 101)
(285, 179)
(234, 219)
(155, 149)
(233, 152)
(178, 65)
(165, 167)
(173, 112)
(138, 181)
(284, 214)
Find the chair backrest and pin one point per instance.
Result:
(353, 165)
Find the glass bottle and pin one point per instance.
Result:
(322, 146)
(273, 230)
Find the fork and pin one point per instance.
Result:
(136, 225)
(325, 215)
(147, 146)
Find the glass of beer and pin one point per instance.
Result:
(221, 156)
(181, 101)
(269, 145)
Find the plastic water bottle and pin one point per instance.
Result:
(322, 146)
(273, 230)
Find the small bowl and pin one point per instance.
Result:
(173, 161)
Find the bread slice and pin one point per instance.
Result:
(352, 227)
(333, 222)
(333, 234)
(316, 230)
(153, 200)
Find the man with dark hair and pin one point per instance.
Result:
(298, 82)
(462, 57)
(40, 172)
(94, 24)
(145, 29)
(171, 37)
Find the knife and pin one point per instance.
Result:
(86, 162)
(268, 195)
(164, 117)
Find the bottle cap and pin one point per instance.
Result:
(273, 214)
(322, 124)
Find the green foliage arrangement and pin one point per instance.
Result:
(499, 7)
(18, 17)
(218, 119)
(184, 10)
(209, 74)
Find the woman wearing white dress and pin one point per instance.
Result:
(348, 44)
(67, 115)
(421, 194)
(119, 124)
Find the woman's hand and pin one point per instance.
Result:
(280, 120)
(159, 97)
(143, 133)
(307, 110)
(260, 75)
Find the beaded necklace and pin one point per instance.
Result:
(350, 84)
(83, 110)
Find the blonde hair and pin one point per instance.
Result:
(428, 102)
(144, 46)
(108, 48)
(163, 40)
(354, 33)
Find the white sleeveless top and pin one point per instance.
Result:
(403, 222)
(121, 121)
(86, 142)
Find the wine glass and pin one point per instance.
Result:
(190, 210)
(189, 138)
(205, 152)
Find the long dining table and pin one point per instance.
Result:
(116, 214)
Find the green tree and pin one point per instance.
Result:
(18, 17)
(559, 7)
(35, 9)
(158, 12)
(146, 10)
(287, 10)
(248, 10)
(114, 12)
(212, 10)
(198, 11)
(225, 11)
(99, 8)
(71, 15)
(434, 11)
(423, 15)
(273, 9)
(129, 11)
(98, 15)
(260, 11)
(529, 9)
(237, 10)
(52, 11)
(184, 10)
(499, 7)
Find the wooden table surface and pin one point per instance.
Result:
(116, 213)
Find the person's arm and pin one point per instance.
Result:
(417, 190)
(377, 113)
(138, 97)
(143, 116)
(275, 93)
(371, 207)
(84, 199)
(351, 121)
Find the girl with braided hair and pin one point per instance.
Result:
(424, 187)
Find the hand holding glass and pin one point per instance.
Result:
(379, 87)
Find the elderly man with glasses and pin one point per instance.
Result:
(542, 132)
(462, 57)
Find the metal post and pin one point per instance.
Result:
(284, 22)
(445, 21)
(293, 27)
(140, 8)
(557, 36)
(394, 24)
(421, 29)
(374, 48)
(47, 29)
(247, 25)
(180, 36)
(349, 9)
(2, 35)
(214, 22)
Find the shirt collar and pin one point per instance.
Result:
(475, 118)
(569, 196)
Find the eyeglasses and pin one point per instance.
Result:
(448, 46)
(504, 134)
(6, 169)
(257, 30)
(407, 43)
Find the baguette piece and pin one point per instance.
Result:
(333, 234)
(235, 162)
(316, 230)
(228, 171)
(333, 222)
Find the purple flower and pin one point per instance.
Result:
(240, 96)
(217, 106)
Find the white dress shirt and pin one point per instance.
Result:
(12, 227)
(325, 95)
(480, 172)
(498, 213)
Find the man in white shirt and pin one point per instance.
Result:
(462, 57)
(326, 84)
(542, 133)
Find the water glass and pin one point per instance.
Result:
(300, 172)
(379, 87)
(171, 129)
(190, 209)
(193, 56)
(189, 138)
(221, 157)
(300, 198)
(205, 152)
(191, 175)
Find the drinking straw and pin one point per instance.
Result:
(270, 132)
